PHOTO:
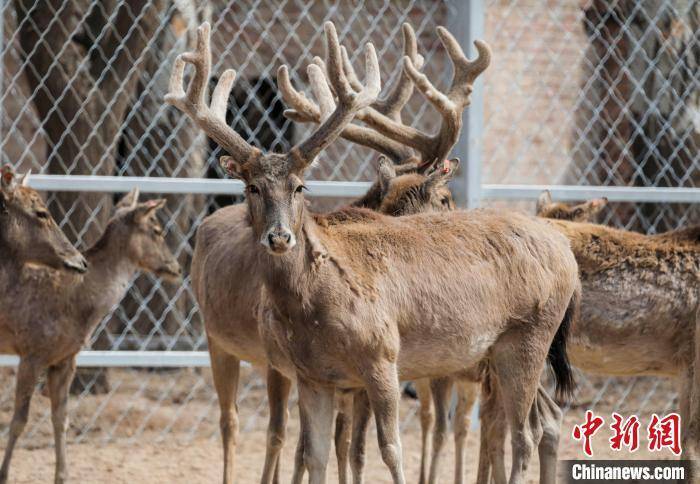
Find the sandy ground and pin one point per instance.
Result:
(166, 435)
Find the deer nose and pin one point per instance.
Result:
(77, 263)
(280, 240)
(275, 238)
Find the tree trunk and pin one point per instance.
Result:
(637, 122)
(84, 76)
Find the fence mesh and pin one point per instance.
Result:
(600, 93)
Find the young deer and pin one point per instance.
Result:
(227, 301)
(47, 319)
(362, 303)
(28, 233)
(638, 312)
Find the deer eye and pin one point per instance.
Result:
(253, 189)
(445, 202)
(300, 189)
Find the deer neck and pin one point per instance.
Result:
(110, 272)
(289, 278)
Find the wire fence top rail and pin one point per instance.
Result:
(344, 189)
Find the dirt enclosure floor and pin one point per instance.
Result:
(162, 428)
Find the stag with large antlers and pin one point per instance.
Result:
(364, 302)
(229, 301)
(384, 121)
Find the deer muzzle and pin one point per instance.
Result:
(76, 263)
(279, 240)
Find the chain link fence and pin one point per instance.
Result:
(588, 93)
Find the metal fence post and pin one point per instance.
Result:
(466, 22)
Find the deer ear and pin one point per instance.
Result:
(154, 205)
(7, 177)
(233, 168)
(543, 201)
(23, 180)
(130, 200)
(587, 211)
(449, 168)
(385, 172)
(148, 208)
(442, 173)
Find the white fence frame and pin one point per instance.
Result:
(176, 359)
(468, 23)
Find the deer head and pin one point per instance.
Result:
(274, 181)
(406, 191)
(27, 228)
(142, 236)
(584, 212)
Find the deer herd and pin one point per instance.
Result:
(399, 285)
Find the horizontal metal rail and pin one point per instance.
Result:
(575, 193)
(132, 359)
(343, 189)
(120, 184)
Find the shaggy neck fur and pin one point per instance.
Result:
(290, 277)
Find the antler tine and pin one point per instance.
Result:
(211, 119)
(304, 110)
(450, 105)
(301, 109)
(458, 97)
(349, 100)
(321, 91)
(401, 91)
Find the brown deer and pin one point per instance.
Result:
(638, 314)
(28, 233)
(584, 212)
(406, 199)
(227, 301)
(362, 303)
(47, 319)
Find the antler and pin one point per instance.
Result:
(211, 119)
(304, 110)
(450, 105)
(438, 146)
(350, 100)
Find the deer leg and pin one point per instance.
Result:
(27, 377)
(517, 359)
(427, 419)
(549, 417)
(493, 435)
(316, 416)
(225, 370)
(441, 389)
(343, 433)
(278, 387)
(59, 381)
(360, 421)
(466, 395)
(383, 389)
(299, 469)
